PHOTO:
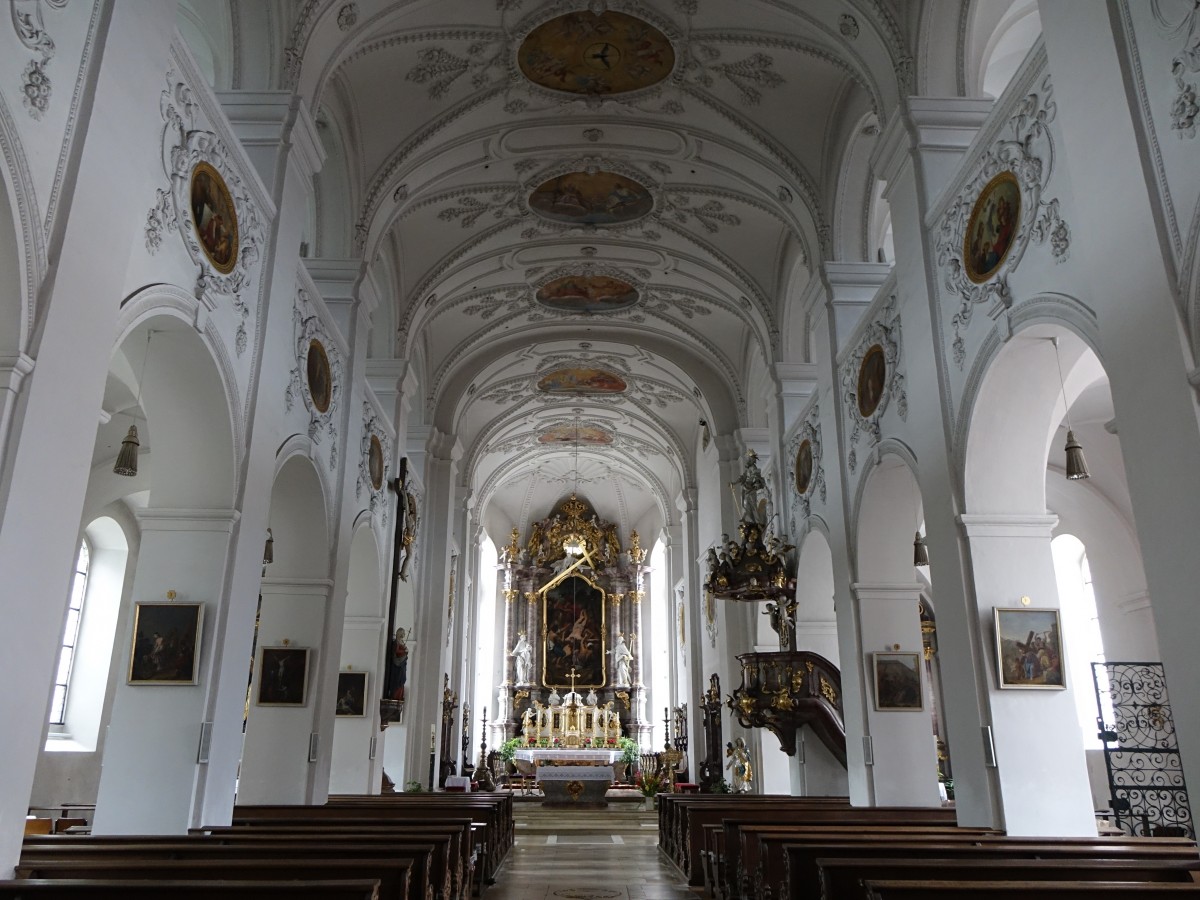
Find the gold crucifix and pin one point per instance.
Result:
(572, 675)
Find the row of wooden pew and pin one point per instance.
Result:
(820, 848)
(393, 847)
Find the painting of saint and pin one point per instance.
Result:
(992, 227)
(351, 694)
(581, 380)
(598, 54)
(215, 217)
(804, 467)
(587, 294)
(166, 643)
(375, 462)
(898, 682)
(573, 634)
(872, 378)
(320, 379)
(1029, 648)
(569, 434)
(591, 198)
(283, 676)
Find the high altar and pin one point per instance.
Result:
(573, 620)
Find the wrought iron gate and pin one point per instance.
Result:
(1141, 755)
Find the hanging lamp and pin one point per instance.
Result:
(920, 551)
(127, 457)
(1076, 464)
(573, 545)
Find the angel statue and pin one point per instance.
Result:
(741, 769)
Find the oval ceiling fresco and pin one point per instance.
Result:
(605, 54)
(591, 198)
(582, 380)
(587, 294)
(570, 434)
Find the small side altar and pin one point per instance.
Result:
(558, 757)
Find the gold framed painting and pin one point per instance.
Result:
(214, 217)
(283, 676)
(804, 467)
(351, 695)
(319, 375)
(166, 643)
(872, 378)
(898, 682)
(1029, 649)
(992, 227)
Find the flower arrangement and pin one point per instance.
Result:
(509, 748)
(587, 742)
(650, 783)
(629, 750)
(558, 742)
(610, 742)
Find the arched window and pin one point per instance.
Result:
(66, 656)
(1082, 642)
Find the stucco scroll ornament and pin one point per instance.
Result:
(308, 329)
(883, 333)
(185, 144)
(375, 453)
(807, 470)
(1185, 107)
(1026, 149)
(31, 32)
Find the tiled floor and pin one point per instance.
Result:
(586, 855)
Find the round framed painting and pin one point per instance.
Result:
(215, 217)
(320, 377)
(804, 467)
(375, 462)
(992, 228)
(872, 376)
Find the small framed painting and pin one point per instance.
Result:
(351, 695)
(1029, 648)
(283, 676)
(320, 376)
(804, 467)
(166, 643)
(898, 682)
(992, 228)
(215, 217)
(872, 379)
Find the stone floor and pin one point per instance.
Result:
(609, 854)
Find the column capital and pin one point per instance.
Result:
(343, 285)
(266, 119)
(155, 519)
(1008, 525)
(904, 591)
(852, 288)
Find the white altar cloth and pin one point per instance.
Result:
(574, 773)
(542, 755)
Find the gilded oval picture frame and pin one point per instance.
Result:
(992, 227)
(375, 462)
(214, 217)
(804, 467)
(320, 376)
(872, 377)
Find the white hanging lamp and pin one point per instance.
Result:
(1076, 464)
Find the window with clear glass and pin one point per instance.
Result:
(1081, 631)
(66, 656)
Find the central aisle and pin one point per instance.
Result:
(607, 854)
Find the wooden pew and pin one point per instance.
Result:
(1024, 890)
(842, 879)
(801, 878)
(420, 883)
(392, 875)
(127, 889)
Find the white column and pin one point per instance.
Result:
(1127, 283)
(1038, 744)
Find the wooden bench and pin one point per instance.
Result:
(1024, 890)
(801, 877)
(392, 875)
(127, 889)
(842, 879)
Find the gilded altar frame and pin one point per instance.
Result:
(560, 653)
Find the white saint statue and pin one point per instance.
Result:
(622, 657)
(523, 654)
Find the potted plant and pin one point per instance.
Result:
(629, 755)
(650, 784)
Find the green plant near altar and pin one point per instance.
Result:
(509, 748)
(629, 750)
(650, 783)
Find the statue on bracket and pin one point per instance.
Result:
(523, 654)
(622, 658)
(753, 489)
(741, 770)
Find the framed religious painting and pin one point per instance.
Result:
(319, 375)
(166, 643)
(992, 228)
(804, 467)
(898, 682)
(872, 378)
(1029, 650)
(283, 676)
(574, 634)
(351, 695)
(214, 217)
(376, 465)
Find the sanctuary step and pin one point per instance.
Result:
(619, 818)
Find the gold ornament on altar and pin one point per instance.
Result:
(570, 531)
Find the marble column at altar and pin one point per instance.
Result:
(615, 627)
(534, 632)
(640, 725)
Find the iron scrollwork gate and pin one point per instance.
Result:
(1141, 755)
